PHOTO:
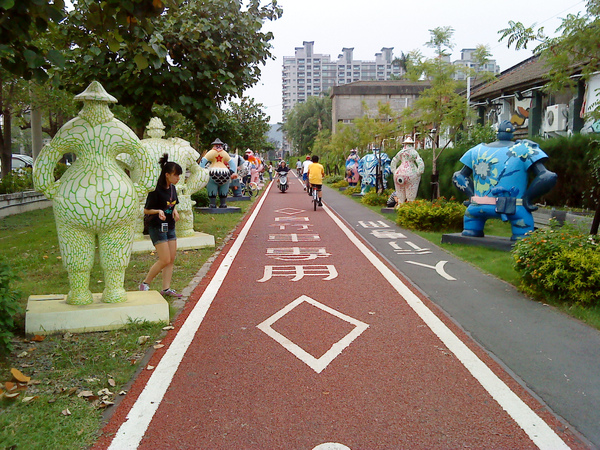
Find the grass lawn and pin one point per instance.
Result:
(55, 413)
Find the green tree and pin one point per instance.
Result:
(439, 110)
(192, 58)
(305, 121)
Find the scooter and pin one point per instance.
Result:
(282, 181)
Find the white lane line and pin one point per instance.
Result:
(538, 431)
(139, 417)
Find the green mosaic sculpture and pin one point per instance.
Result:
(95, 199)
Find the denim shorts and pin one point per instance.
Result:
(159, 237)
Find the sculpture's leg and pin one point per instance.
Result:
(185, 226)
(223, 190)
(139, 223)
(401, 194)
(411, 190)
(521, 223)
(115, 250)
(77, 250)
(474, 220)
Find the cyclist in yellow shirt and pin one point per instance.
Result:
(315, 176)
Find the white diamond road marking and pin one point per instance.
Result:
(317, 364)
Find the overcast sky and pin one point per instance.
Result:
(369, 25)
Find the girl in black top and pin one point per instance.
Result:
(160, 204)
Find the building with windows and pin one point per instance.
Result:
(312, 74)
(362, 98)
(466, 60)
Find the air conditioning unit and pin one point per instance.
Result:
(556, 118)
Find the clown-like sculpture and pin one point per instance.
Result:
(371, 167)
(95, 198)
(352, 176)
(221, 171)
(407, 167)
(499, 189)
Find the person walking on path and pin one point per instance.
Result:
(315, 177)
(160, 206)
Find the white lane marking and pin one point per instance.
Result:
(298, 272)
(439, 268)
(139, 417)
(538, 431)
(317, 364)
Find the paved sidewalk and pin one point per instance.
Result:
(300, 335)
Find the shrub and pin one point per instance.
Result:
(201, 198)
(9, 307)
(372, 198)
(352, 190)
(330, 179)
(439, 215)
(16, 181)
(561, 264)
(339, 184)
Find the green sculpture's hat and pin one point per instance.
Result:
(95, 91)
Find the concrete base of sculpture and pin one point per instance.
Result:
(495, 242)
(343, 188)
(48, 314)
(386, 210)
(198, 240)
(217, 210)
(358, 194)
(241, 198)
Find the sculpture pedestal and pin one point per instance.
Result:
(496, 242)
(47, 314)
(241, 198)
(228, 210)
(386, 210)
(198, 240)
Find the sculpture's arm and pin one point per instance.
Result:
(145, 173)
(543, 181)
(420, 164)
(43, 168)
(198, 178)
(462, 180)
(395, 160)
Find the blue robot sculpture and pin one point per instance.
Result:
(499, 184)
(374, 168)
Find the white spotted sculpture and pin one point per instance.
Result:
(187, 157)
(95, 199)
(407, 167)
(181, 152)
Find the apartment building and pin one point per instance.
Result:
(466, 60)
(311, 74)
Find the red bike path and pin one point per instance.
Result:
(300, 335)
